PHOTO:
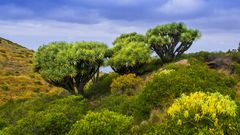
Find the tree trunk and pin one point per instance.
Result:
(80, 90)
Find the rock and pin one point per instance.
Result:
(220, 62)
(183, 62)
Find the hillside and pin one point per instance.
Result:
(14, 59)
(17, 79)
(185, 96)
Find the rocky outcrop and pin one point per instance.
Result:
(220, 62)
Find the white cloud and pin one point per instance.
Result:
(181, 7)
(34, 33)
(221, 41)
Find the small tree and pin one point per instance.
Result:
(129, 54)
(69, 66)
(169, 41)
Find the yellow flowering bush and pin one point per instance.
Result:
(170, 83)
(209, 113)
(125, 84)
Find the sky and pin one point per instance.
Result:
(33, 23)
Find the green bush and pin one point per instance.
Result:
(3, 123)
(198, 113)
(105, 122)
(170, 83)
(73, 107)
(40, 123)
(237, 68)
(153, 65)
(15, 110)
(203, 113)
(102, 86)
(125, 84)
(119, 103)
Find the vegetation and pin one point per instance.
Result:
(69, 66)
(207, 113)
(125, 84)
(129, 54)
(169, 41)
(17, 80)
(105, 122)
(198, 113)
(144, 95)
(170, 83)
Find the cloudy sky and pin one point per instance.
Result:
(36, 22)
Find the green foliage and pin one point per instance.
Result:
(3, 124)
(101, 87)
(201, 56)
(72, 107)
(129, 54)
(69, 65)
(122, 104)
(127, 38)
(198, 113)
(237, 68)
(40, 123)
(208, 113)
(170, 83)
(105, 122)
(125, 84)
(169, 41)
(153, 65)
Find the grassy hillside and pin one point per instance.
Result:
(17, 80)
(14, 59)
(150, 103)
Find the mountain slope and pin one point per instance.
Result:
(14, 59)
(17, 80)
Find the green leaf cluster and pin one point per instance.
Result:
(105, 122)
(69, 65)
(129, 54)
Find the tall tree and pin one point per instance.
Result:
(69, 65)
(129, 54)
(169, 41)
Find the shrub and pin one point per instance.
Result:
(73, 107)
(15, 110)
(198, 113)
(208, 113)
(40, 123)
(153, 65)
(169, 84)
(105, 122)
(102, 86)
(3, 123)
(125, 84)
(237, 68)
(119, 103)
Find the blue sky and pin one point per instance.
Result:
(36, 22)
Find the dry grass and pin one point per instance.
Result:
(17, 80)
